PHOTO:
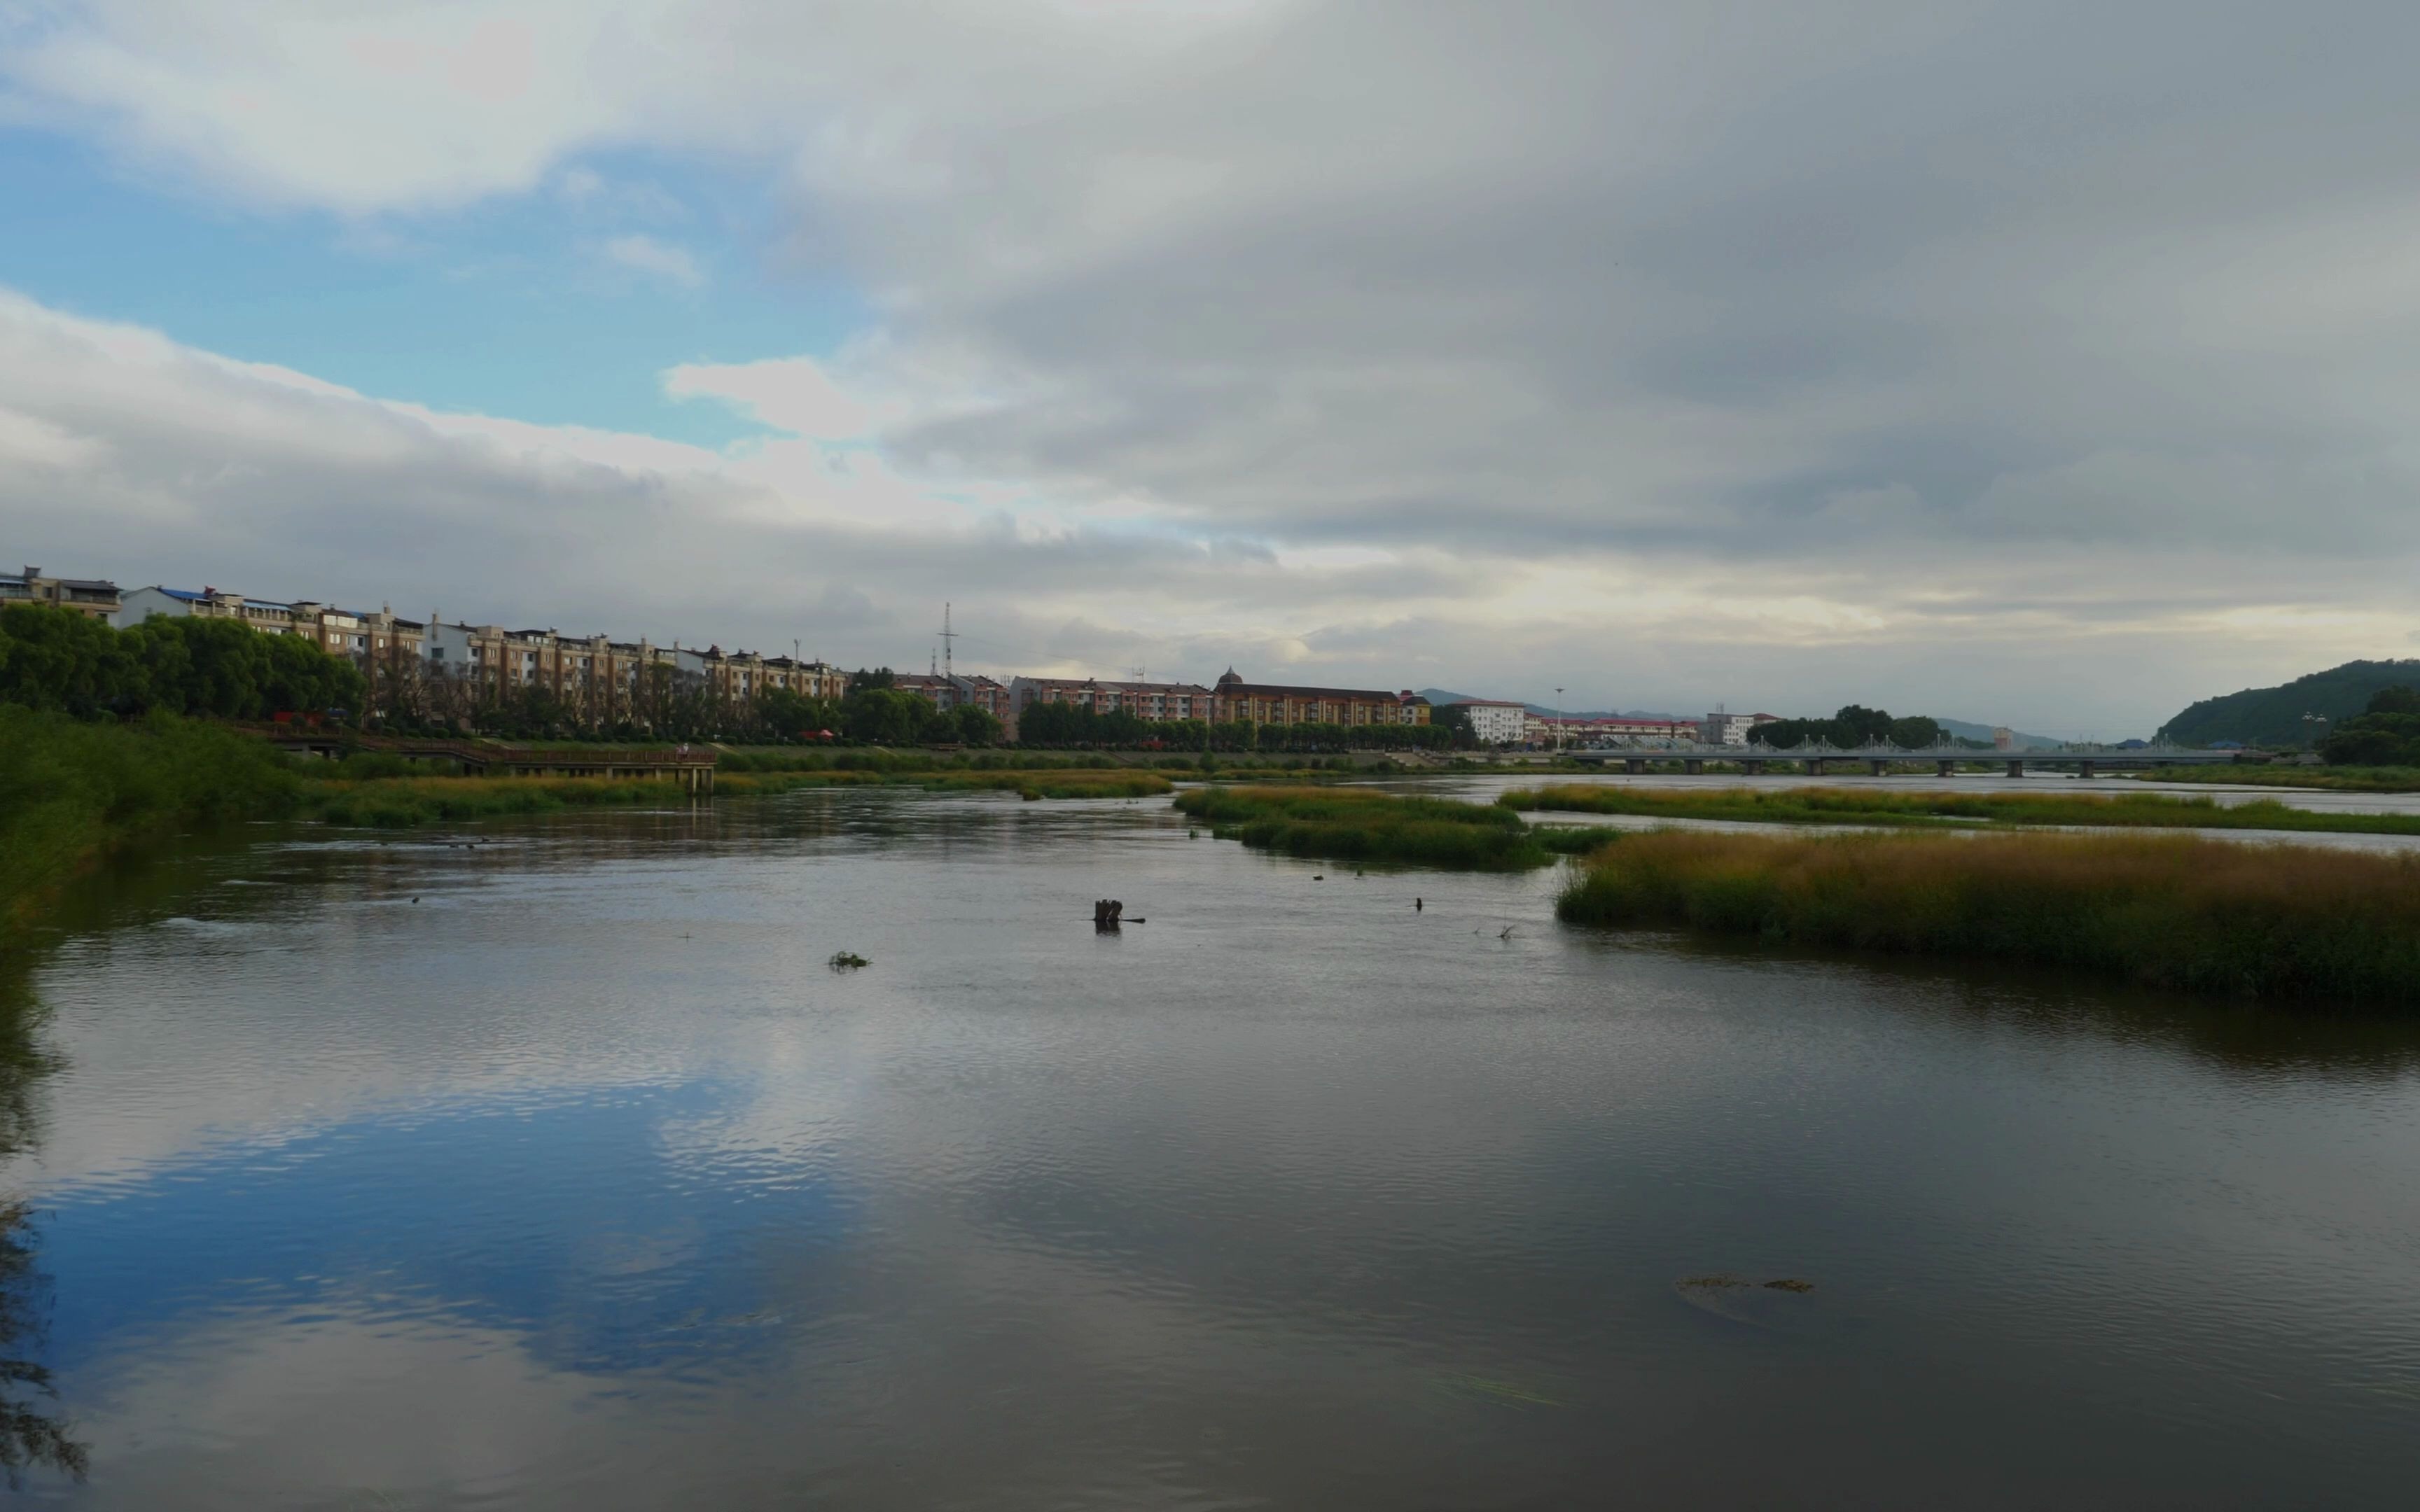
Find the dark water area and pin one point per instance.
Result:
(564, 1173)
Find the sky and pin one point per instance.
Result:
(2043, 364)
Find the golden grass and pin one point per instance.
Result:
(1917, 810)
(2167, 911)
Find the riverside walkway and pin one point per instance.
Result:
(1945, 760)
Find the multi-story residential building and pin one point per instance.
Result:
(1144, 700)
(1720, 729)
(1611, 730)
(85, 596)
(1239, 701)
(983, 693)
(265, 615)
(808, 679)
(1496, 721)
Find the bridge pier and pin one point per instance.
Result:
(2016, 768)
(1693, 767)
(1814, 767)
(1636, 766)
(1875, 768)
(1945, 767)
(2088, 768)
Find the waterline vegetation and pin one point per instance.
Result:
(1356, 824)
(2168, 911)
(1884, 807)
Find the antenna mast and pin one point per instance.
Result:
(949, 645)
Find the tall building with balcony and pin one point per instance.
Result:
(88, 596)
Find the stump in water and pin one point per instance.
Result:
(1106, 912)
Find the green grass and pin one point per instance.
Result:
(70, 793)
(2172, 910)
(1355, 824)
(401, 803)
(2294, 775)
(1856, 806)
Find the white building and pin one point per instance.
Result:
(1720, 729)
(1496, 722)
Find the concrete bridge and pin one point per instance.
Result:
(692, 767)
(1945, 760)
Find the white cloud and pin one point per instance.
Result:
(645, 254)
(1840, 338)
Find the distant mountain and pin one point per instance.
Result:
(1983, 732)
(2274, 715)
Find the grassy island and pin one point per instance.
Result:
(2170, 911)
(1889, 807)
(1356, 825)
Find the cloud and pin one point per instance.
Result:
(1765, 351)
(645, 254)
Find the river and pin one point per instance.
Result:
(563, 1172)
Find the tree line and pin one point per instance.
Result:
(2386, 733)
(1857, 725)
(56, 659)
(1074, 724)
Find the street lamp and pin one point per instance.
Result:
(1559, 721)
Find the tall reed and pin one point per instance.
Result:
(1356, 825)
(2268, 921)
(1899, 807)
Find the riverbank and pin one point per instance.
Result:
(2283, 775)
(2171, 911)
(1890, 809)
(1351, 825)
(75, 791)
(72, 792)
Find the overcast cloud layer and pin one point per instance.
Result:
(2043, 362)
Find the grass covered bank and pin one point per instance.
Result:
(1355, 824)
(73, 792)
(2289, 774)
(1883, 807)
(2170, 911)
(1120, 783)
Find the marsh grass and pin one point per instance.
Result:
(1355, 824)
(400, 802)
(73, 792)
(1859, 805)
(2169, 911)
(2284, 775)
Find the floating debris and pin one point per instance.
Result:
(847, 961)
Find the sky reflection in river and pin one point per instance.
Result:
(582, 1182)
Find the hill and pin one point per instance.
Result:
(2274, 716)
(1983, 732)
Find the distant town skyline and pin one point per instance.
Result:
(2036, 364)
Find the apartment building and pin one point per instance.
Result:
(1720, 729)
(1239, 701)
(1144, 700)
(1496, 721)
(88, 596)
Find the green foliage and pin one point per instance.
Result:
(1356, 824)
(1072, 724)
(52, 658)
(1865, 806)
(2284, 775)
(2386, 733)
(2274, 715)
(71, 791)
(2164, 911)
(1854, 725)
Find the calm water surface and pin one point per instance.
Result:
(582, 1181)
